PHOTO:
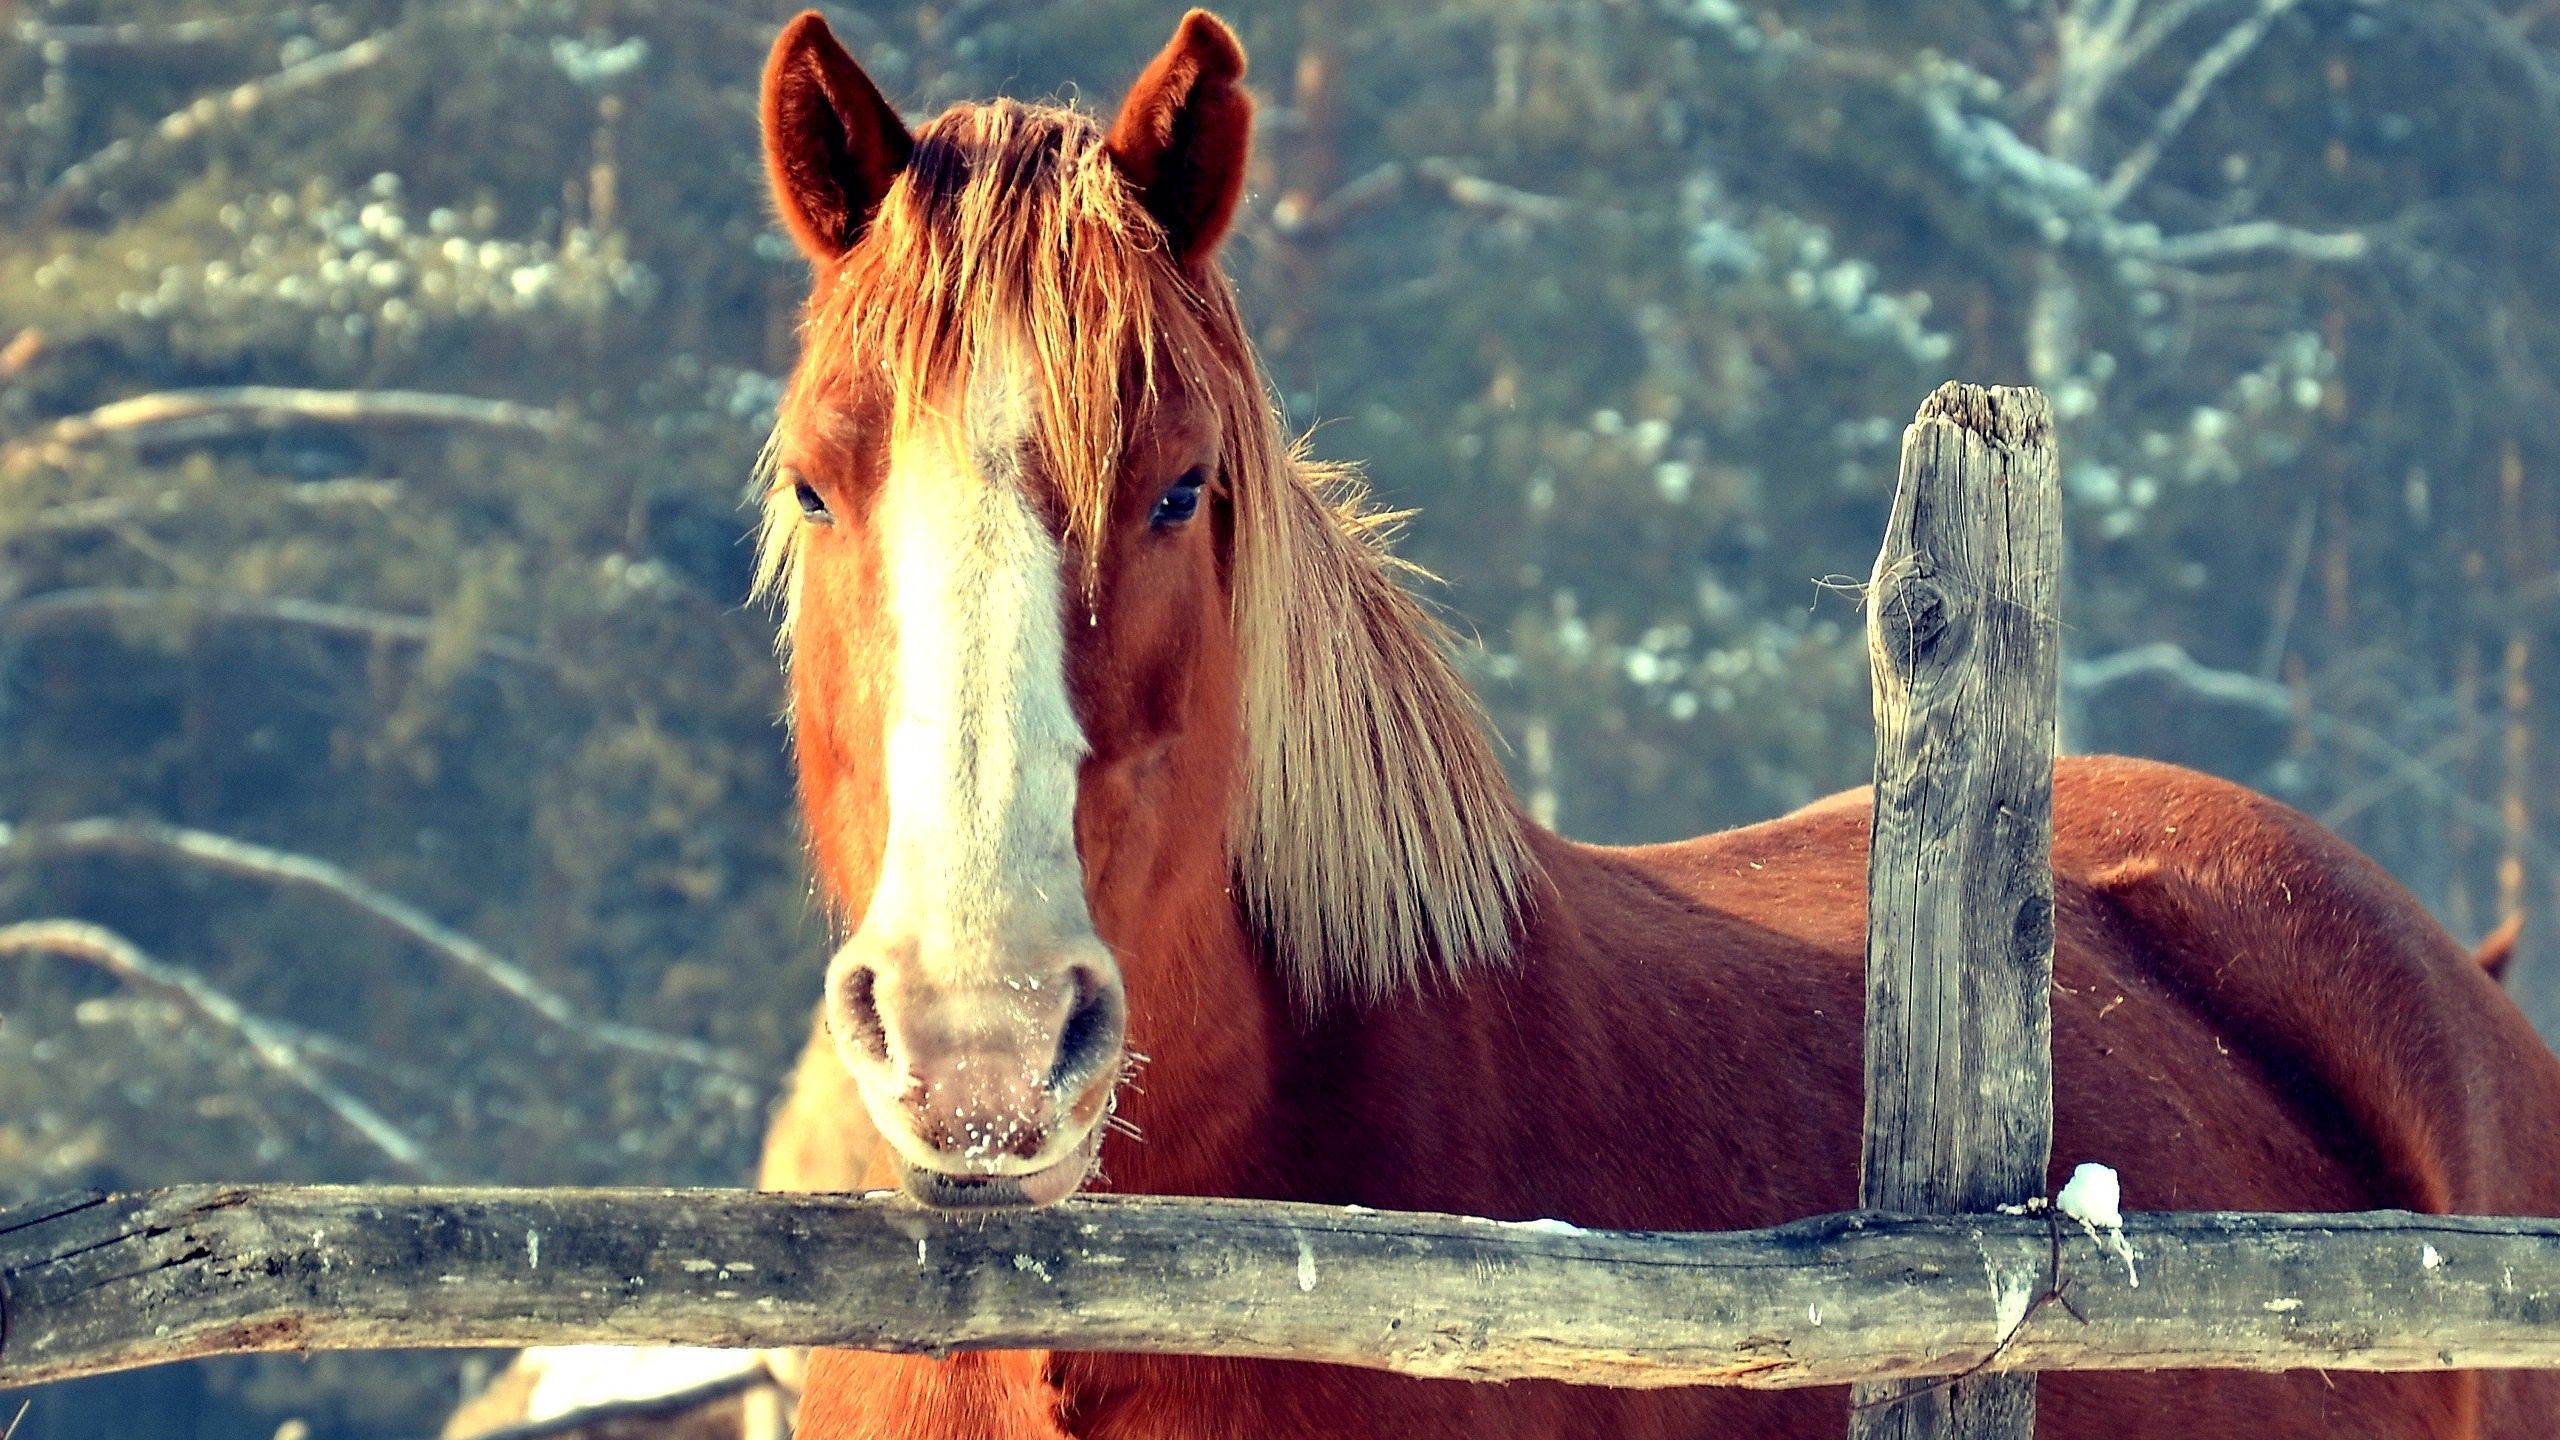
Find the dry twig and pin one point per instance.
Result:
(274, 1045)
(89, 601)
(211, 110)
(154, 840)
(173, 417)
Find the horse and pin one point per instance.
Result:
(1169, 852)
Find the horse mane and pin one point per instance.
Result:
(1376, 843)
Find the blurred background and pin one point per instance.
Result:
(389, 778)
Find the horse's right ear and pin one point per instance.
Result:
(832, 145)
(1183, 135)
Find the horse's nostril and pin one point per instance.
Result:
(857, 1018)
(1092, 1031)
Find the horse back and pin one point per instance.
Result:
(2190, 910)
(2248, 1014)
(2300, 948)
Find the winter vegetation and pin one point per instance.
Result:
(391, 789)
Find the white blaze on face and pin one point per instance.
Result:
(982, 744)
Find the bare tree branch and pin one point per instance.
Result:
(1476, 192)
(151, 839)
(2208, 71)
(749, 28)
(2062, 203)
(2502, 37)
(211, 110)
(2171, 664)
(2419, 770)
(21, 351)
(89, 601)
(2049, 189)
(1431, 174)
(106, 511)
(2262, 237)
(173, 417)
(2111, 27)
(137, 33)
(271, 1043)
(2288, 594)
(2165, 21)
(2085, 67)
(2167, 661)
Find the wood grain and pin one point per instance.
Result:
(1964, 644)
(95, 1283)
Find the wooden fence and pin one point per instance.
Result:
(1931, 1282)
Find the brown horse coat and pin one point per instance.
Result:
(1027, 471)
(2248, 1015)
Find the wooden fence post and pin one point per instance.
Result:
(1963, 636)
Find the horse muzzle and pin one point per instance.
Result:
(991, 1091)
(943, 1190)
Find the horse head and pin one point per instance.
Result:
(1089, 667)
(996, 518)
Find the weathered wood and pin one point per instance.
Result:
(1964, 644)
(97, 1282)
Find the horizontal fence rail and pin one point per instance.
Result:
(93, 1283)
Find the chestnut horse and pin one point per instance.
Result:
(1172, 856)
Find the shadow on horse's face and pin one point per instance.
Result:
(1014, 690)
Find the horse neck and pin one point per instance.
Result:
(1246, 1093)
(1211, 1021)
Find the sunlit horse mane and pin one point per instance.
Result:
(1376, 844)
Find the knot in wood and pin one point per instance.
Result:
(2034, 930)
(1912, 615)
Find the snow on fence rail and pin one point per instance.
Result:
(1963, 635)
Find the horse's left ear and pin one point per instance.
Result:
(1183, 134)
(832, 145)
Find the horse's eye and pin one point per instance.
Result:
(1181, 499)
(813, 506)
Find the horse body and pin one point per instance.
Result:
(1062, 607)
(2248, 1016)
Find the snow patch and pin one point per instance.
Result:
(568, 1378)
(1545, 1227)
(2095, 1197)
(2009, 1302)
